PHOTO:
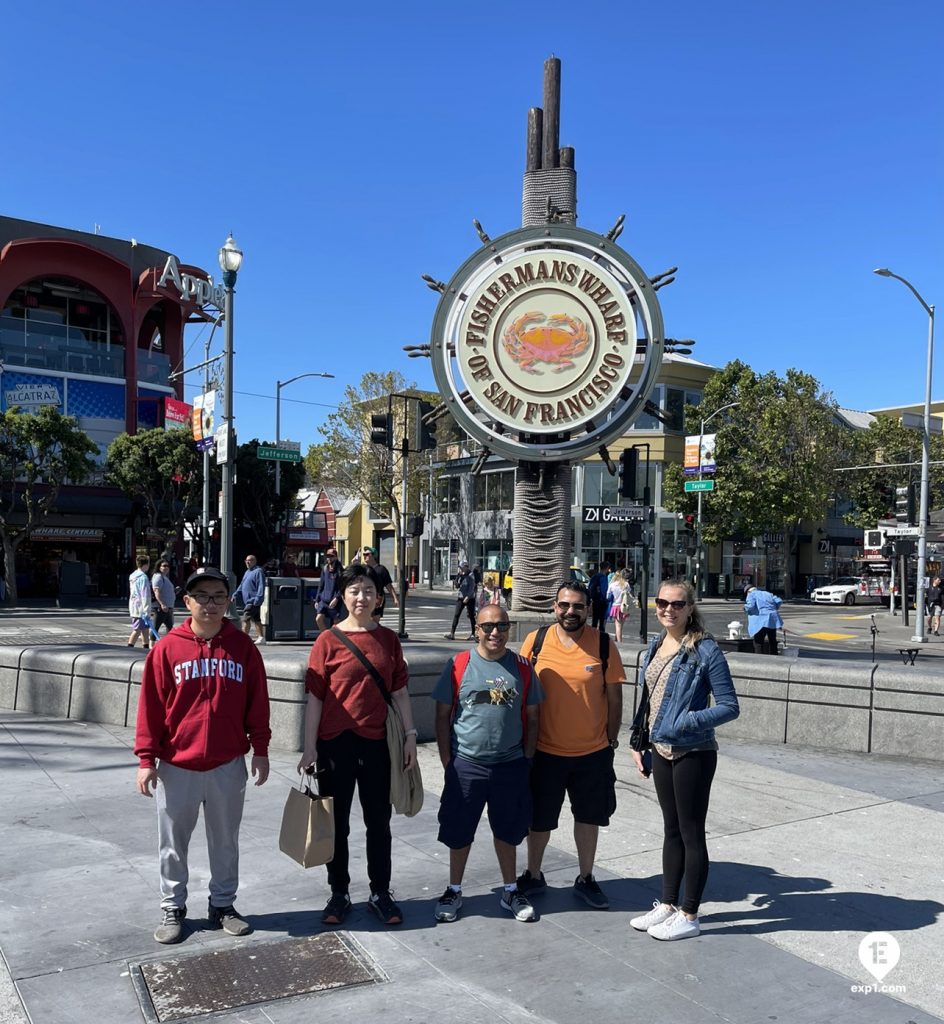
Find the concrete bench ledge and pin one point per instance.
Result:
(856, 706)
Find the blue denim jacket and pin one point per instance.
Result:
(685, 718)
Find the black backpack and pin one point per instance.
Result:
(604, 648)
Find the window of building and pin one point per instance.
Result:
(448, 494)
(644, 421)
(60, 324)
(493, 491)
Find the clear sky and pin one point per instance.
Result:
(775, 152)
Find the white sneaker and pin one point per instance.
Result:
(677, 926)
(260, 641)
(518, 905)
(660, 912)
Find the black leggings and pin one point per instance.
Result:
(683, 787)
(765, 640)
(345, 760)
(470, 610)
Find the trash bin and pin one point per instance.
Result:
(309, 629)
(282, 608)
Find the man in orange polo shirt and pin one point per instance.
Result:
(582, 675)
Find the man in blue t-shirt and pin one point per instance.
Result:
(486, 745)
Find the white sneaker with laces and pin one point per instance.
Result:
(660, 912)
(260, 641)
(677, 926)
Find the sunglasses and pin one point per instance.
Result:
(489, 627)
(217, 599)
(676, 606)
(577, 606)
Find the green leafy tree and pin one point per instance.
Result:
(349, 462)
(163, 471)
(256, 506)
(890, 455)
(39, 452)
(777, 453)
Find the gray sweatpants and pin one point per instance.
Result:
(180, 793)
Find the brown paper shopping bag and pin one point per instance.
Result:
(307, 834)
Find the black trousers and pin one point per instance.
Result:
(343, 761)
(683, 788)
(470, 608)
(765, 641)
(598, 613)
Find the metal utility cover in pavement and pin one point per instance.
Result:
(257, 972)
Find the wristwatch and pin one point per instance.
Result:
(614, 744)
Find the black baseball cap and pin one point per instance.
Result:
(206, 572)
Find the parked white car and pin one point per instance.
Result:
(841, 591)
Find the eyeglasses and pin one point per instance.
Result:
(217, 599)
(489, 627)
(676, 606)
(577, 606)
(331, 554)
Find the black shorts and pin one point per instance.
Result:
(589, 780)
(469, 786)
(252, 613)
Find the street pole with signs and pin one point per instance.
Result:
(699, 546)
(231, 258)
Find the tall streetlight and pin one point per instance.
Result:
(920, 635)
(279, 384)
(231, 258)
(699, 549)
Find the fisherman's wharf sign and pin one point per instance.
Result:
(547, 343)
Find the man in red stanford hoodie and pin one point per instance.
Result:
(204, 701)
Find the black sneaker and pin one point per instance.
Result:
(530, 885)
(171, 928)
(381, 903)
(229, 919)
(336, 909)
(588, 890)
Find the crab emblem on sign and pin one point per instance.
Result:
(536, 338)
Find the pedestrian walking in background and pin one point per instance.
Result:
(139, 603)
(933, 598)
(465, 600)
(763, 619)
(384, 581)
(165, 596)
(684, 670)
(204, 704)
(619, 596)
(598, 588)
(486, 729)
(582, 677)
(252, 590)
(329, 608)
(345, 733)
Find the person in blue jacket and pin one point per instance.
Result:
(252, 590)
(683, 671)
(763, 619)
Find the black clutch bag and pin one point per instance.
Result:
(639, 731)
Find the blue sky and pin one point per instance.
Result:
(776, 153)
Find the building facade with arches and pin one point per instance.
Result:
(87, 326)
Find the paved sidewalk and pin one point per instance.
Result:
(811, 851)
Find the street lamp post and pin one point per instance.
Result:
(920, 634)
(231, 258)
(699, 550)
(279, 384)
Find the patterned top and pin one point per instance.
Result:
(657, 676)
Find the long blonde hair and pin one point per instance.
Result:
(695, 629)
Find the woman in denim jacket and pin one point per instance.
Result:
(682, 670)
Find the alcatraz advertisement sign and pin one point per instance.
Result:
(546, 341)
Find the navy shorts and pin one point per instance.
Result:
(470, 786)
(252, 613)
(589, 780)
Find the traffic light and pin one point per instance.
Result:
(630, 533)
(415, 524)
(381, 429)
(886, 498)
(689, 522)
(906, 505)
(629, 463)
(425, 431)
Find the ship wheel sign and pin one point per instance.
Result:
(547, 343)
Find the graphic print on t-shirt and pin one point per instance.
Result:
(499, 691)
